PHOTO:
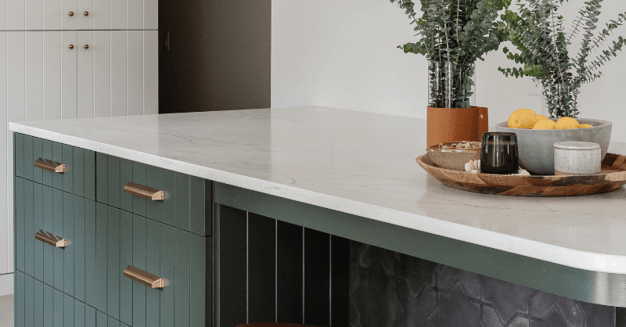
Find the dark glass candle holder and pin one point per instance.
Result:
(499, 154)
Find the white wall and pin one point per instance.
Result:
(342, 54)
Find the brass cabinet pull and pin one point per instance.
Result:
(53, 166)
(143, 277)
(86, 46)
(86, 13)
(144, 191)
(71, 46)
(71, 13)
(56, 241)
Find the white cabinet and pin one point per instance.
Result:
(29, 15)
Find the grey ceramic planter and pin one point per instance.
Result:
(536, 147)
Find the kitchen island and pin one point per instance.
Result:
(282, 207)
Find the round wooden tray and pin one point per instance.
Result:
(612, 177)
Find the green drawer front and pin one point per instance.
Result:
(187, 198)
(80, 177)
(38, 304)
(39, 207)
(117, 239)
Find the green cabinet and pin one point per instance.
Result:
(79, 177)
(187, 199)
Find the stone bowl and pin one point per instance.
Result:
(536, 147)
(447, 155)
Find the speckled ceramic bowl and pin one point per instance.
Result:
(453, 158)
(536, 147)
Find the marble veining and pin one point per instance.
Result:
(358, 163)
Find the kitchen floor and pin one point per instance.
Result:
(6, 311)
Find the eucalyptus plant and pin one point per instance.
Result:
(453, 34)
(538, 33)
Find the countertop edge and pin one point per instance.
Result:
(589, 261)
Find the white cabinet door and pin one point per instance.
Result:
(135, 73)
(85, 14)
(150, 72)
(33, 81)
(85, 74)
(52, 75)
(101, 14)
(102, 67)
(119, 73)
(69, 22)
(51, 14)
(15, 74)
(33, 18)
(69, 55)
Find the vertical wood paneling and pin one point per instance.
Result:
(316, 277)
(232, 266)
(29, 301)
(181, 296)
(261, 268)
(168, 272)
(58, 309)
(85, 22)
(139, 261)
(18, 300)
(182, 201)
(37, 225)
(16, 11)
(34, 19)
(29, 233)
(150, 70)
(3, 16)
(69, 22)
(196, 205)
(48, 306)
(68, 311)
(68, 177)
(101, 62)
(289, 272)
(85, 73)
(52, 74)
(113, 266)
(151, 14)
(52, 14)
(57, 229)
(79, 248)
(126, 259)
(101, 13)
(39, 306)
(48, 225)
(19, 223)
(101, 257)
(153, 266)
(135, 77)
(68, 252)
(119, 71)
(200, 282)
(68, 74)
(119, 14)
(15, 72)
(135, 14)
(34, 74)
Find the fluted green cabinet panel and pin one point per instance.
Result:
(68, 311)
(19, 224)
(29, 228)
(58, 309)
(39, 306)
(29, 161)
(38, 223)
(57, 229)
(113, 266)
(100, 299)
(48, 306)
(90, 316)
(181, 296)
(69, 251)
(19, 154)
(46, 149)
(126, 259)
(139, 261)
(153, 266)
(168, 255)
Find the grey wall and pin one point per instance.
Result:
(396, 290)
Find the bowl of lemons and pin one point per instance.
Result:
(536, 135)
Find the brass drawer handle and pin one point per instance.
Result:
(143, 277)
(53, 166)
(144, 191)
(56, 241)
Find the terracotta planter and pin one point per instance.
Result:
(451, 124)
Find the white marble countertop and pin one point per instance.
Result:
(361, 164)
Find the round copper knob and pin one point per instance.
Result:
(86, 46)
(86, 13)
(71, 13)
(71, 46)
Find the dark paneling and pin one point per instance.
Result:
(232, 266)
(340, 281)
(316, 278)
(261, 268)
(289, 272)
(219, 55)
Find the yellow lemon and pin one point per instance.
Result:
(542, 117)
(545, 124)
(522, 118)
(567, 123)
(585, 126)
